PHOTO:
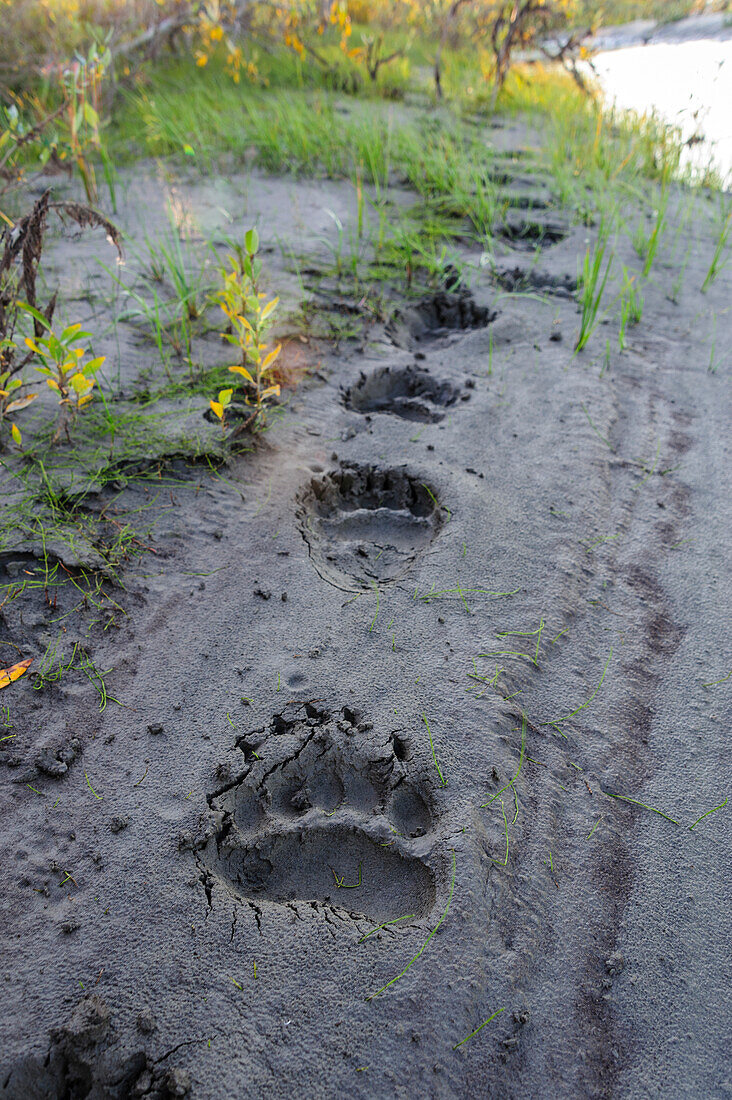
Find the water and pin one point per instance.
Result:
(688, 84)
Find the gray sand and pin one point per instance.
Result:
(190, 904)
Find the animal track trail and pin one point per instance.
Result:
(525, 234)
(365, 525)
(439, 314)
(411, 393)
(518, 279)
(324, 812)
(445, 312)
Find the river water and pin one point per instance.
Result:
(687, 82)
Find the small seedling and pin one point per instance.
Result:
(219, 407)
(341, 881)
(645, 806)
(386, 924)
(250, 316)
(97, 796)
(62, 366)
(511, 783)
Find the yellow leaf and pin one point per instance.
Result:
(269, 308)
(16, 406)
(84, 400)
(81, 383)
(53, 384)
(271, 358)
(271, 391)
(7, 675)
(217, 408)
(15, 432)
(244, 373)
(34, 347)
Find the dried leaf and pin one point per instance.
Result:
(7, 675)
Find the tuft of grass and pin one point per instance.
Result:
(631, 306)
(647, 246)
(719, 259)
(592, 287)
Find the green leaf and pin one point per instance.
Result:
(251, 241)
(34, 313)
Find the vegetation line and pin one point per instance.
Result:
(560, 721)
(97, 796)
(636, 802)
(443, 781)
(386, 924)
(515, 775)
(472, 1033)
(712, 811)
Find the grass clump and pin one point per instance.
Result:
(592, 283)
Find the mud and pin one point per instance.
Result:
(393, 702)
